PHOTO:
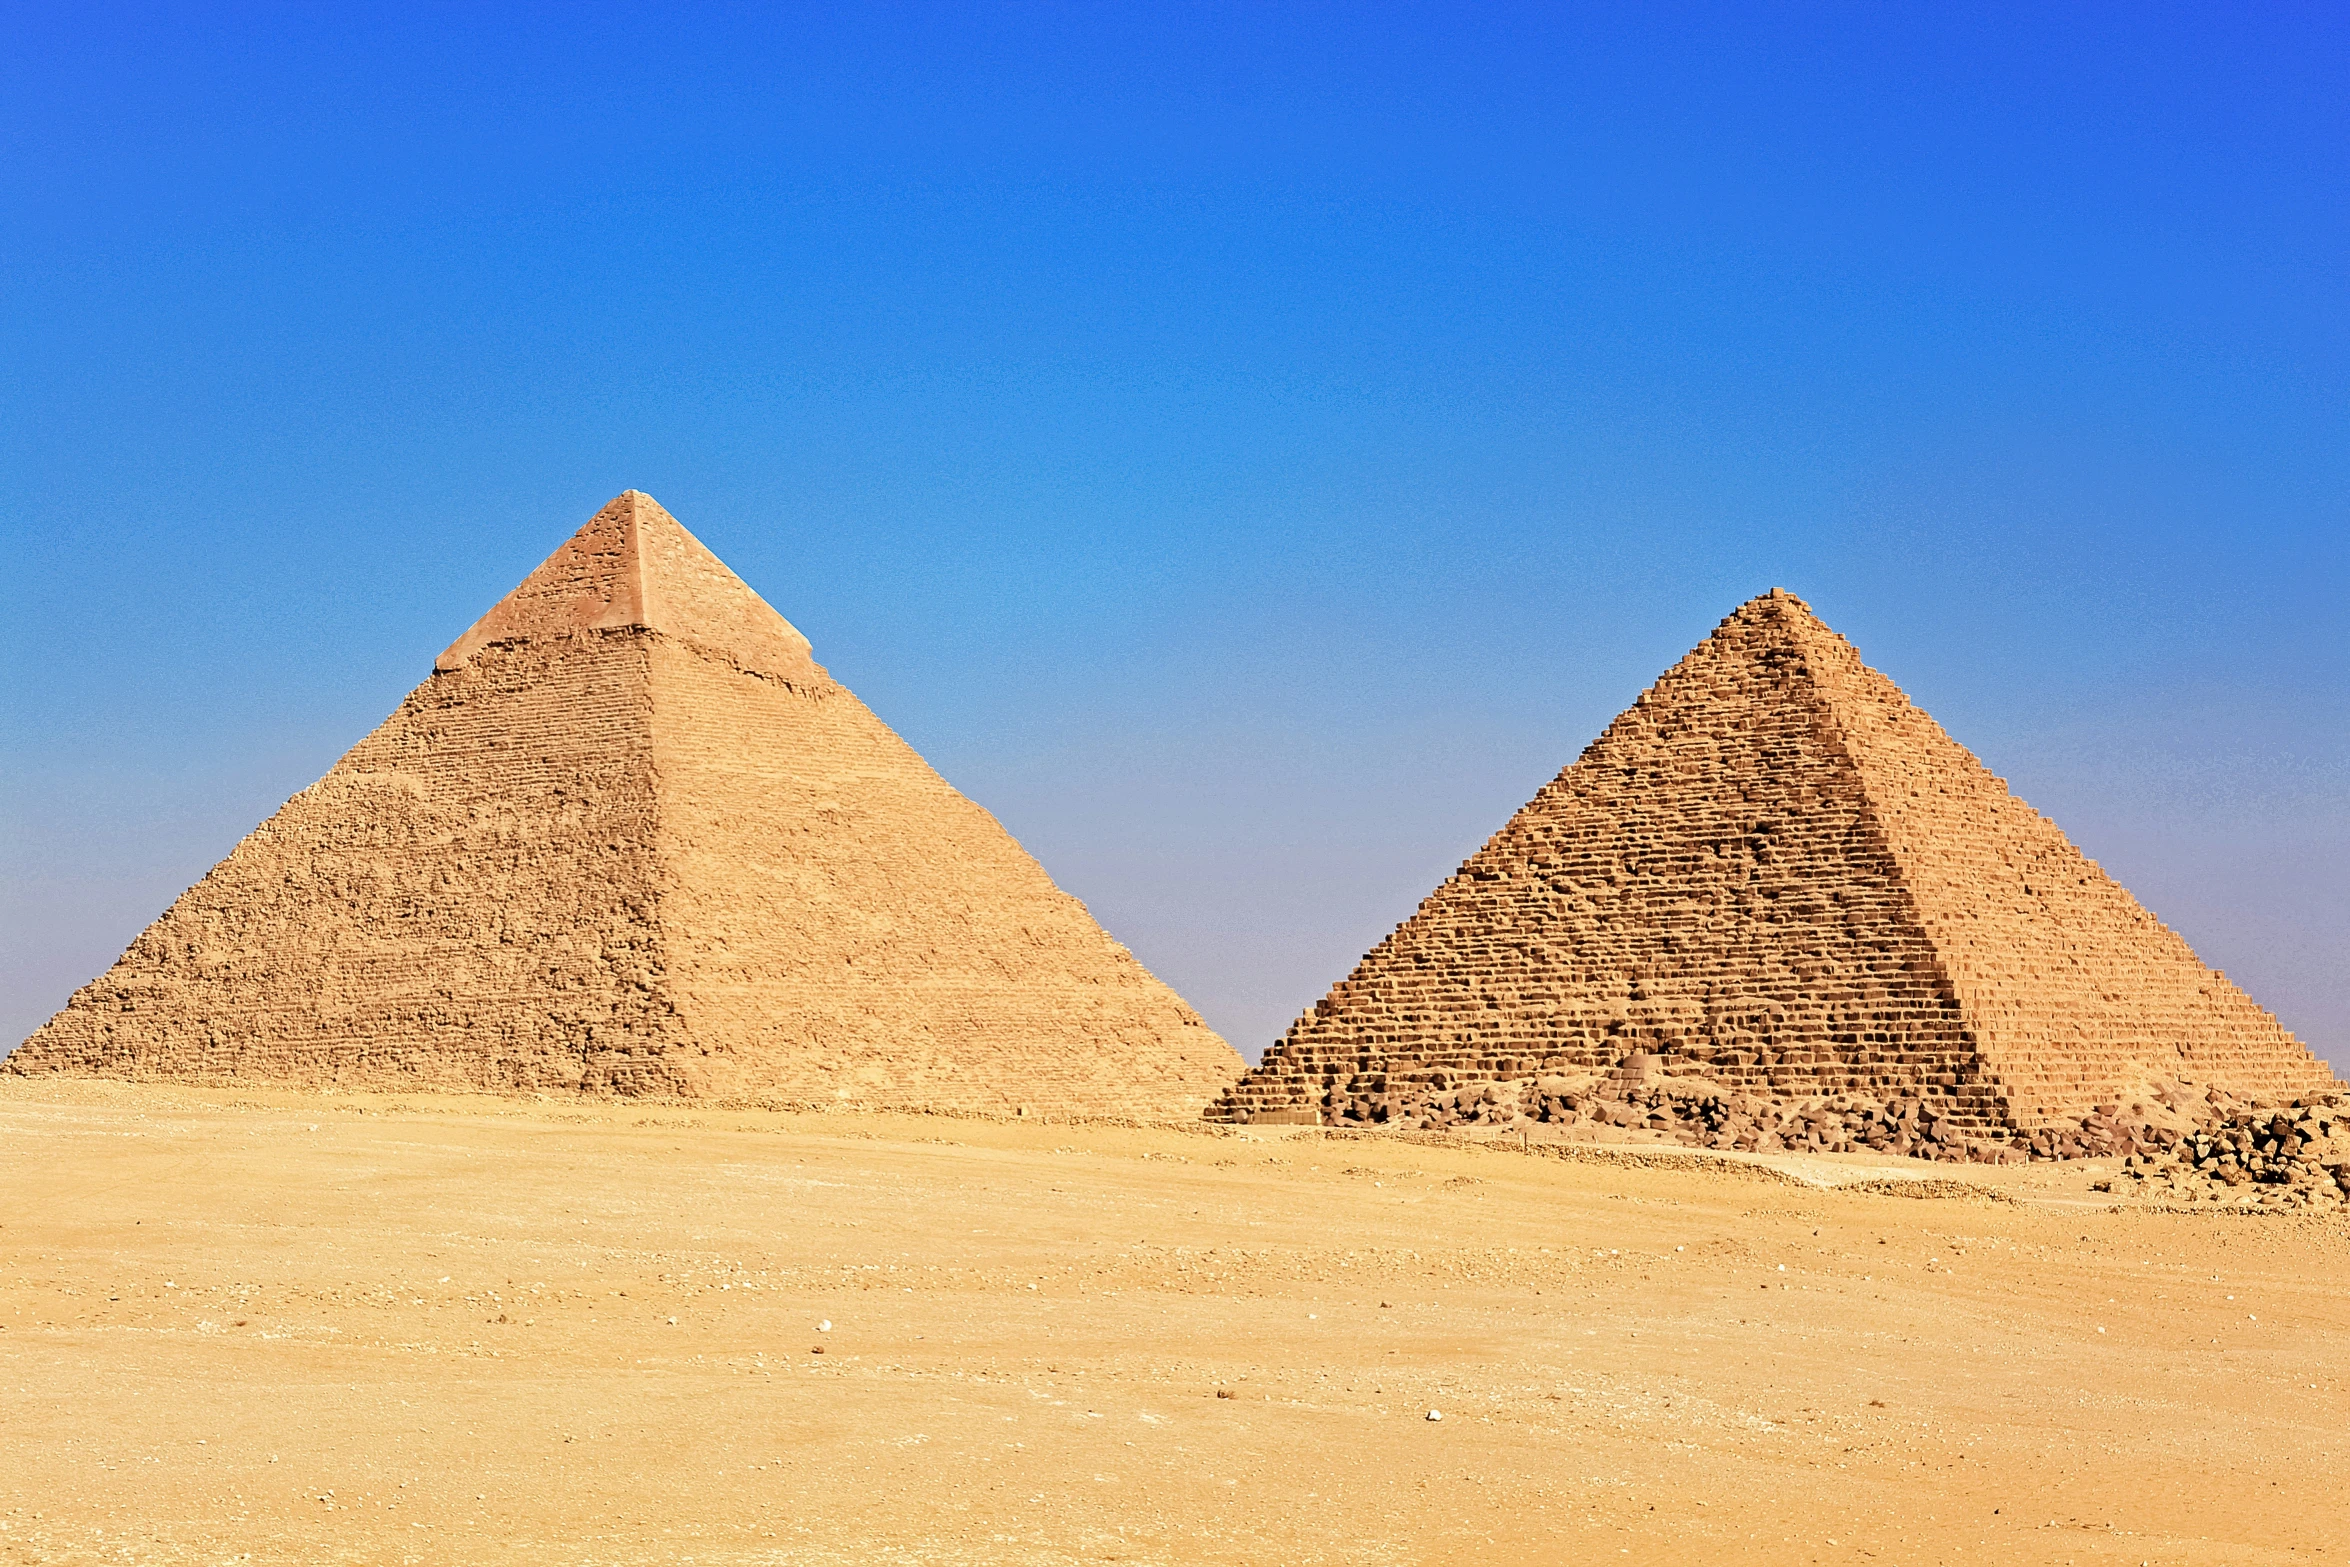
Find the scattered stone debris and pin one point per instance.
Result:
(2295, 1157)
(2157, 1134)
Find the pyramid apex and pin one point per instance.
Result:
(633, 566)
(1773, 602)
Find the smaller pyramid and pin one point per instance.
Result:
(1774, 872)
(630, 837)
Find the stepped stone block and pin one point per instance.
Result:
(1774, 872)
(629, 837)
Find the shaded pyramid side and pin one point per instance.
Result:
(843, 925)
(2076, 993)
(467, 900)
(1706, 882)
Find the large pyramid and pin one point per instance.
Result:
(629, 836)
(1775, 872)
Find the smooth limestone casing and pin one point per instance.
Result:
(630, 837)
(1775, 871)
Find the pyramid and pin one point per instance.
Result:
(630, 837)
(1775, 872)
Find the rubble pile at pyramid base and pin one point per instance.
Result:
(2291, 1158)
(1653, 1099)
(1699, 1113)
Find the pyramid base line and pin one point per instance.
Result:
(1681, 1102)
(1035, 1101)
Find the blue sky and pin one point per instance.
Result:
(1247, 449)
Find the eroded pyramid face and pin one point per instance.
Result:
(629, 836)
(1776, 871)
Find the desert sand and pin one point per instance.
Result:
(241, 1325)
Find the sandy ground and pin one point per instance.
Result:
(258, 1327)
